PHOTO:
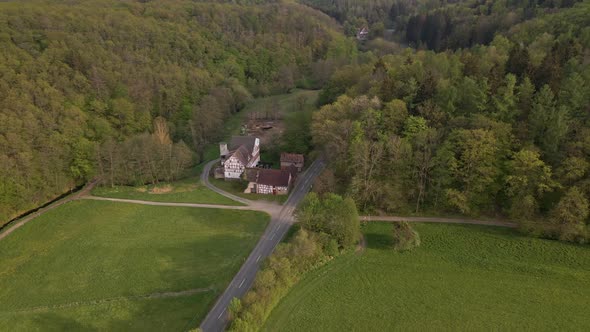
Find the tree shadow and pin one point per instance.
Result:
(377, 240)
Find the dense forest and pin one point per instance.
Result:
(492, 130)
(133, 90)
(436, 25)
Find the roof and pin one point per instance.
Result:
(250, 174)
(293, 170)
(241, 154)
(274, 177)
(291, 157)
(247, 141)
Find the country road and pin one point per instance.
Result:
(216, 319)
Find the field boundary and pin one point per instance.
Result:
(439, 220)
(13, 225)
(158, 295)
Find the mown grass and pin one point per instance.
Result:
(461, 278)
(93, 265)
(189, 190)
(237, 188)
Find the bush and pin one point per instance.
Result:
(282, 270)
(404, 236)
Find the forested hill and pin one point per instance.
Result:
(83, 84)
(501, 130)
(435, 24)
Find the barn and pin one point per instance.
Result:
(268, 181)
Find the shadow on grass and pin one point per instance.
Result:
(378, 240)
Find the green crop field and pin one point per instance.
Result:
(462, 278)
(189, 190)
(114, 266)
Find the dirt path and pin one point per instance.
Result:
(440, 220)
(21, 222)
(205, 180)
(270, 208)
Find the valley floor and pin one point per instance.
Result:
(115, 266)
(463, 277)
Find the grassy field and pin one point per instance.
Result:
(237, 188)
(185, 191)
(114, 266)
(461, 278)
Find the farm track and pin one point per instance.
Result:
(464, 221)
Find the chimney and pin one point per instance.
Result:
(223, 151)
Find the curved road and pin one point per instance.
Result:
(281, 220)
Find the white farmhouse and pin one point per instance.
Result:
(243, 152)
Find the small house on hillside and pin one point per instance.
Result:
(241, 153)
(362, 33)
(292, 159)
(268, 181)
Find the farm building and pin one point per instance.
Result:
(292, 159)
(243, 152)
(268, 181)
(362, 33)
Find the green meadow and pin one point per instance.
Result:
(463, 277)
(114, 266)
(189, 190)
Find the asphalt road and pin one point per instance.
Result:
(281, 221)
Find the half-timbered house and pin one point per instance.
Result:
(241, 153)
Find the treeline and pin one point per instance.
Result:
(81, 79)
(329, 224)
(497, 130)
(468, 23)
(143, 158)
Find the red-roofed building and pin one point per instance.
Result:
(268, 181)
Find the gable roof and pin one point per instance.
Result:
(238, 141)
(274, 177)
(242, 155)
(291, 157)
